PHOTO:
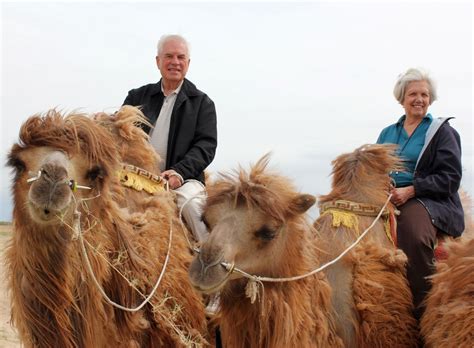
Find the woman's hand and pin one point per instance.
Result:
(402, 194)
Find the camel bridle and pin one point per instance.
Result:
(78, 234)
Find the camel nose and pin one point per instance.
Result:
(50, 192)
(54, 173)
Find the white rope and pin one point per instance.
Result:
(77, 228)
(180, 216)
(35, 177)
(78, 234)
(71, 183)
(317, 270)
(260, 279)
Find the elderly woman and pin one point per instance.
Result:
(426, 193)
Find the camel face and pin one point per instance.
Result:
(47, 178)
(55, 155)
(242, 236)
(248, 218)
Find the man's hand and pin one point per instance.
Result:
(402, 194)
(174, 179)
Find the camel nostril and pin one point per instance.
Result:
(46, 211)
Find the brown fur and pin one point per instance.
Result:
(287, 314)
(54, 301)
(448, 320)
(371, 295)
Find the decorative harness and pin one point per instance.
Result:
(346, 213)
(141, 180)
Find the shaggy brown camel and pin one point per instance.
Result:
(75, 196)
(371, 297)
(448, 320)
(257, 223)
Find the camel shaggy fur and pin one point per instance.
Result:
(371, 297)
(55, 301)
(448, 320)
(257, 222)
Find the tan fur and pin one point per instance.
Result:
(371, 296)
(290, 314)
(54, 300)
(466, 201)
(448, 320)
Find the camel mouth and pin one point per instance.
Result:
(212, 288)
(46, 215)
(209, 283)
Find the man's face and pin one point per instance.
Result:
(173, 61)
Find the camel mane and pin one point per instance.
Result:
(72, 133)
(132, 142)
(365, 172)
(257, 188)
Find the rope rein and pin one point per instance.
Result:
(180, 216)
(317, 270)
(77, 228)
(256, 281)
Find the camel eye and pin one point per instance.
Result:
(95, 173)
(265, 233)
(18, 165)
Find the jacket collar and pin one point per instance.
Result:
(430, 133)
(188, 88)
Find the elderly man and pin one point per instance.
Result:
(184, 132)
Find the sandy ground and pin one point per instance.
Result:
(8, 337)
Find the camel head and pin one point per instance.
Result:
(132, 142)
(250, 217)
(363, 175)
(59, 162)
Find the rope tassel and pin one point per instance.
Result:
(251, 290)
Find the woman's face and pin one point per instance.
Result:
(417, 99)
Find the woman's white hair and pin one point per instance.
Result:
(168, 37)
(411, 75)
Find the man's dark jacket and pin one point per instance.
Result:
(437, 177)
(192, 139)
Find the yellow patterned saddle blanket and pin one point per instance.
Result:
(346, 213)
(141, 180)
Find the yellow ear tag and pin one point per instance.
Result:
(73, 185)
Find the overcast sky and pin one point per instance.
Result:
(307, 81)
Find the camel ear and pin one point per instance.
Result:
(302, 202)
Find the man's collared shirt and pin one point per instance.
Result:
(159, 135)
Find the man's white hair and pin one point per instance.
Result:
(168, 37)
